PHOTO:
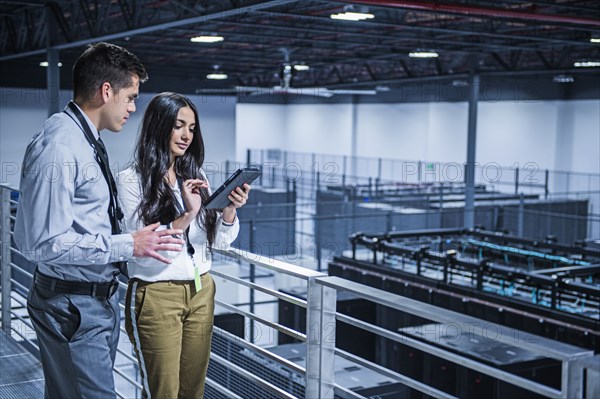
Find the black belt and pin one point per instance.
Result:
(98, 290)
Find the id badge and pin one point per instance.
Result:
(197, 280)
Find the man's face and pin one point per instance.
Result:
(120, 105)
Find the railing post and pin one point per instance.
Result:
(592, 378)
(252, 280)
(320, 340)
(225, 175)
(344, 171)
(572, 379)
(318, 247)
(521, 216)
(5, 257)
(314, 168)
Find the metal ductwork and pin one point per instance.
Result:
(480, 11)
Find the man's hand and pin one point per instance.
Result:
(147, 241)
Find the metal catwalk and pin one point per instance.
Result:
(20, 372)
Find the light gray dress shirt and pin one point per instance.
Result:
(62, 216)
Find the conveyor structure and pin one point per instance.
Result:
(543, 287)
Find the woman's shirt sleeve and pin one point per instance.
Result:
(130, 197)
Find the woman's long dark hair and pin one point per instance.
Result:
(153, 155)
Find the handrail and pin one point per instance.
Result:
(268, 354)
(320, 307)
(254, 378)
(572, 357)
(6, 186)
(430, 391)
(276, 294)
(320, 312)
(455, 358)
(540, 345)
(270, 263)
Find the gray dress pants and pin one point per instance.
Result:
(78, 337)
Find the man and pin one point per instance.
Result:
(68, 224)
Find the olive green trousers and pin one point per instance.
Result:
(170, 327)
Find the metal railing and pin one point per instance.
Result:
(317, 374)
(316, 382)
(572, 358)
(355, 169)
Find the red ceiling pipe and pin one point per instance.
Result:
(479, 11)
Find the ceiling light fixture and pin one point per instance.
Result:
(562, 78)
(207, 39)
(301, 67)
(353, 12)
(352, 16)
(587, 64)
(423, 54)
(216, 74)
(594, 39)
(45, 64)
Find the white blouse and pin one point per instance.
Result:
(182, 268)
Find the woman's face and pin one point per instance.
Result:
(183, 132)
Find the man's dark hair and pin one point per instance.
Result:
(105, 62)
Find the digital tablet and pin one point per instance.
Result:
(219, 200)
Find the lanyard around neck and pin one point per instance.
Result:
(114, 210)
(190, 248)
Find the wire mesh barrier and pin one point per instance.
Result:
(336, 169)
(314, 172)
(249, 359)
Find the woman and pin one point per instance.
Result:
(169, 308)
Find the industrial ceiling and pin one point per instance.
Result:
(488, 37)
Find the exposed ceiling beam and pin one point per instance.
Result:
(479, 11)
(153, 28)
(451, 31)
(430, 78)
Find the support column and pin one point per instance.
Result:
(52, 81)
(469, 215)
(53, 71)
(5, 257)
(354, 144)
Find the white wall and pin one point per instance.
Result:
(218, 124)
(447, 132)
(515, 134)
(559, 135)
(434, 131)
(328, 128)
(23, 111)
(555, 135)
(259, 126)
(395, 131)
(586, 136)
